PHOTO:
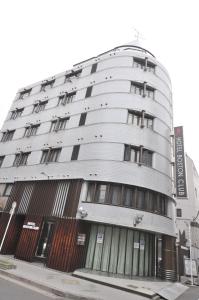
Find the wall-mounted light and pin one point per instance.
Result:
(82, 212)
(137, 220)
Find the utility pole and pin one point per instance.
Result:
(11, 212)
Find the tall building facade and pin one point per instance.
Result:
(86, 155)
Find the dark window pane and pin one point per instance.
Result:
(101, 193)
(89, 91)
(82, 119)
(127, 152)
(179, 212)
(75, 152)
(147, 157)
(115, 195)
(94, 68)
(141, 199)
(1, 160)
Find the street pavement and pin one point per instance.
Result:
(9, 290)
(191, 294)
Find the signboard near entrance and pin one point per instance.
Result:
(100, 238)
(81, 239)
(187, 266)
(181, 187)
(31, 225)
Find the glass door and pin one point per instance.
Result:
(45, 239)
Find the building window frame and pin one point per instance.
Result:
(144, 64)
(72, 75)
(140, 119)
(16, 113)
(142, 89)
(50, 155)
(66, 98)
(25, 93)
(47, 85)
(59, 124)
(40, 106)
(139, 155)
(127, 196)
(21, 159)
(7, 135)
(8, 189)
(31, 130)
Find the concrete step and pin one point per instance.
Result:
(6, 265)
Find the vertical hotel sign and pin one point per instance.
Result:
(181, 187)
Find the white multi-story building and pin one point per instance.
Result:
(86, 154)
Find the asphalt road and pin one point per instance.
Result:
(9, 290)
(191, 294)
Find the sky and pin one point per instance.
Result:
(40, 38)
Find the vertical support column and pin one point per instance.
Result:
(168, 258)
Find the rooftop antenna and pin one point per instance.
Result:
(137, 35)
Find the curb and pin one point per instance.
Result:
(153, 297)
(45, 287)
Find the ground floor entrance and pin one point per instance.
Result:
(123, 251)
(45, 240)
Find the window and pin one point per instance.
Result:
(141, 199)
(72, 74)
(150, 67)
(8, 135)
(147, 157)
(144, 64)
(16, 113)
(127, 196)
(140, 119)
(89, 91)
(47, 85)
(7, 190)
(179, 212)
(66, 98)
(101, 193)
(94, 68)
(115, 194)
(148, 122)
(82, 119)
(134, 118)
(138, 155)
(24, 93)
(21, 159)
(137, 88)
(75, 152)
(40, 106)
(142, 89)
(59, 124)
(150, 92)
(139, 63)
(131, 153)
(31, 130)
(1, 160)
(50, 155)
(129, 199)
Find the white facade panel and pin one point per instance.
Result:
(107, 214)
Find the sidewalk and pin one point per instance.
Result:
(102, 287)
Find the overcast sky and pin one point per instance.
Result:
(40, 38)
